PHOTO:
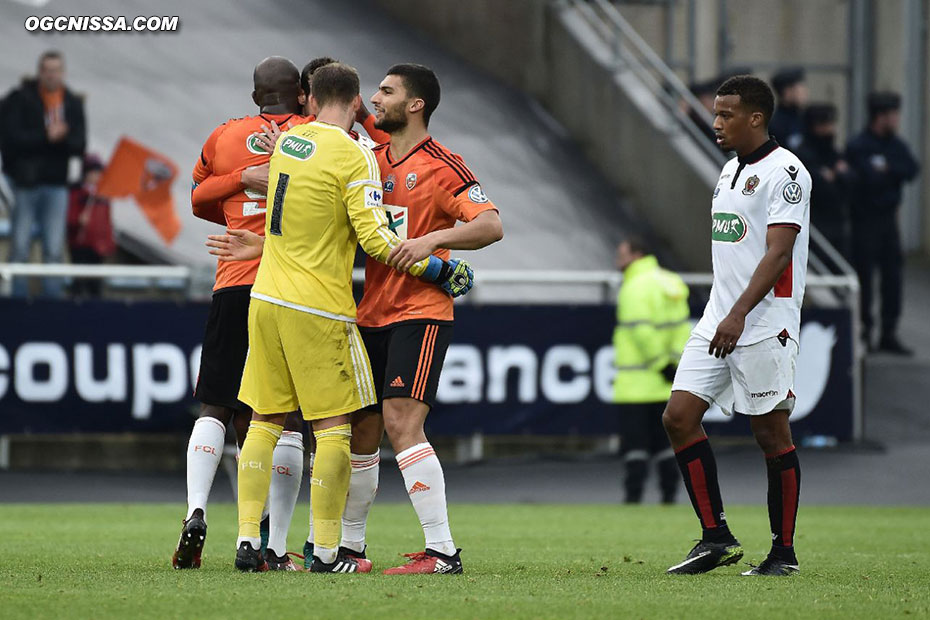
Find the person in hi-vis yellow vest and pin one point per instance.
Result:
(653, 325)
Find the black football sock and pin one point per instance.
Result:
(784, 493)
(699, 470)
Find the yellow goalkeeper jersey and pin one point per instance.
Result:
(324, 198)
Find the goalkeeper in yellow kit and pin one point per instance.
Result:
(324, 197)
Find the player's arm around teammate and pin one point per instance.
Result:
(482, 231)
(402, 417)
(407, 328)
(225, 154)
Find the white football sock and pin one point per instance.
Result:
(310, 535)
(286, 473)
(426, 487)
(204, 452)
(363, 485)
(327, 556)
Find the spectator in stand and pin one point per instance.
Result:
(704, 92)
(787, 124)
(831, 176)
(42, 128)
(883, 164)
(90, 232)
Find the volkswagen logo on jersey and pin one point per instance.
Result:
(389, 183)
(476, 195)
(751, 184)
(793, 193)
(411, 180)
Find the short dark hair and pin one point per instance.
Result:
(819, 114)
(335, 83)
(752, 92)
(310, 68)
(638, 244)
(421, 82)
(51, 55)
(881, 102)
(786, 78)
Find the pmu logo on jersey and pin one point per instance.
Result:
(389, 183)
(411, 181)
(254, 146)
(751, 184)
(728, 227)
(298, 148)
(476, 195)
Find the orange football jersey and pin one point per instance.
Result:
(227, 152)
(429, 189)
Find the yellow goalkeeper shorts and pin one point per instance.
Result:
(300, 359)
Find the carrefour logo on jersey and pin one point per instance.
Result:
(373, 198)
(298, 148)
(728, 227)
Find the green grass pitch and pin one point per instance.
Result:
(521, 561)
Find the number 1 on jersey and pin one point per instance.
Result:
(278, 206)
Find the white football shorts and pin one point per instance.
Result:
(753, 380)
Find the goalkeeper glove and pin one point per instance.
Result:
(454, 277)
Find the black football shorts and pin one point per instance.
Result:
(225, 345)
(406, 359)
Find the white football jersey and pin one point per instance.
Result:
(769, 187)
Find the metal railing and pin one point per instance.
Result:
(604, 281)
(630, 51)
(157, 274)
(602, 287)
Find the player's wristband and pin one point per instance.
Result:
(436, 269)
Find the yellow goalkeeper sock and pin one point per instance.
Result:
(255, 476)
(329, 484)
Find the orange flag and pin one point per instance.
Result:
(137, 171)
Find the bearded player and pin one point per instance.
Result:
(406, 324)
(742, 353)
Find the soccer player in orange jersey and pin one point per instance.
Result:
(406, 324)
(271, 132)
(364, 118)
(229, 189)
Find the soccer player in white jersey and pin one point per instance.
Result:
(742, 353)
